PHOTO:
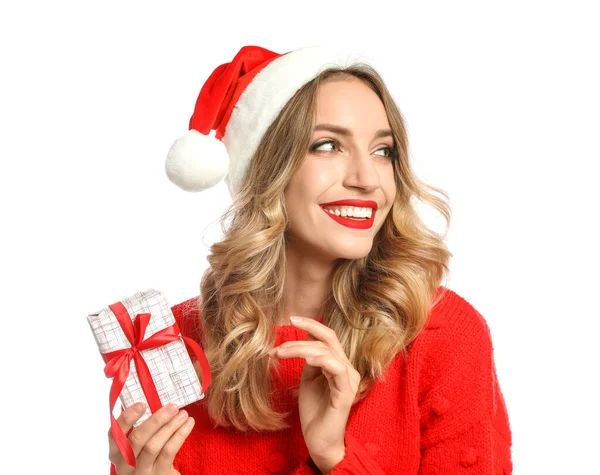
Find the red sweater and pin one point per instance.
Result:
(439, 412)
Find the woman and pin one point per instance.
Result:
(387, 371)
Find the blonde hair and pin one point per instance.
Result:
(379, 303)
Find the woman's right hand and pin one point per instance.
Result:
(155, 442)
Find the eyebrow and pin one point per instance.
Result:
(346, 132)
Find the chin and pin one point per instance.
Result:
(351, 256)
(356, 252)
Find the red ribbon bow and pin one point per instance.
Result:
(118, 364)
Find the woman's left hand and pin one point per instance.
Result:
(328, 387)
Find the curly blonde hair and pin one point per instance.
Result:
(378, 304)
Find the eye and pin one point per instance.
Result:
(318, 145)
(391, 152)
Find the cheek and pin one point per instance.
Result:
(311, 181)
(392, 190)
(319, 175)
(388, 184)
(297, 202)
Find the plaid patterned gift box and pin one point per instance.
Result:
(145, 354)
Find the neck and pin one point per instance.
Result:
(308, 282)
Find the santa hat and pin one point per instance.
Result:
(239, 101)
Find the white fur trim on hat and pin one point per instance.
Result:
(266, 95)
(196, 161)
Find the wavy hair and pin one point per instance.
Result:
(378, 304)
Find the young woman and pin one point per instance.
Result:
(387, 371)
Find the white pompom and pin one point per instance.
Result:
(196, 161)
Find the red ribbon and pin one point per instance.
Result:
(118, 365)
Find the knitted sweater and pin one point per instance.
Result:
(440, 411)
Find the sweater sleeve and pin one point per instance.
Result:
(464, 421)
(114, 472)
(307, 468)
(357, 461)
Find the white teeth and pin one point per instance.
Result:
(351, 211)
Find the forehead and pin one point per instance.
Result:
(350, 103)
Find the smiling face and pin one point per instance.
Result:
(350, 158)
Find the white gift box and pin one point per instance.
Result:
(170, 365)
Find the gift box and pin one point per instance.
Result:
(146, 356)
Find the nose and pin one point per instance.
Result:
(361, 172)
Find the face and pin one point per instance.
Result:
(350, 158)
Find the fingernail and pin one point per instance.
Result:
(171, 409)
(181, 414)
(296, 319)
(139, 407)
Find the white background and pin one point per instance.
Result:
(502, 105)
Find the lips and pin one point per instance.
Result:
(353, 202)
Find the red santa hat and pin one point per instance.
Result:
(239, 101)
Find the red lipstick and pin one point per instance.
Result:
(353, 223)
(357, 203)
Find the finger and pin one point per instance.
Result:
(338, 377)
(317, 331)
(153, 451)
(300, 344)
(172, 446)
(140, 436)
(301, 351)
(126, 419)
